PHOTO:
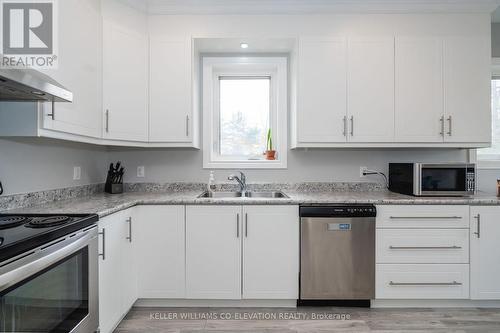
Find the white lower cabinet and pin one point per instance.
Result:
(422, 281)
(422, 252)
(117, 274)
(159, 240)
(213, 252)
(235, 252)
(485, 252)
(271, 252)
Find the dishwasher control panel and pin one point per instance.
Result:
(338, 211)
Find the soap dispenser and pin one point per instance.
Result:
(211, 182)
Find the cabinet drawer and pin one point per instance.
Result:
(423, 216)
(425, 246)
(422, 281)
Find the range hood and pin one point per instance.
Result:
(31, 85)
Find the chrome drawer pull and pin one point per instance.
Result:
(478, 232)
(423, 247)
(454, 283)
(129, 237)
(425, 217)
(103, 254)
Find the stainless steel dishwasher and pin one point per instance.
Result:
(337, 260)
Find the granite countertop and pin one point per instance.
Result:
(105, 204)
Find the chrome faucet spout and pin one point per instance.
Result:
(242, 181)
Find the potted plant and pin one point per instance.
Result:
(270, 152)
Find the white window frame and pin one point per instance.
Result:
(494, 161)
(274, 67)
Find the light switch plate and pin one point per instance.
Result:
(77, 173)
(141, 172)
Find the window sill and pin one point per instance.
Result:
(251, 164)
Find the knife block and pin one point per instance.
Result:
(113, 188)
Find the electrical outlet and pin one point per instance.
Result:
(77, 173)
(141, 172)
(362, 170)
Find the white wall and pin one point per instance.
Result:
(36, 164)
(168, 165)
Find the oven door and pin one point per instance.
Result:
(53, 288)
(444, 179)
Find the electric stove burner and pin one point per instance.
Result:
(12, 221)
(46, 222)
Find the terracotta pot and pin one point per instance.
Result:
(270, 155)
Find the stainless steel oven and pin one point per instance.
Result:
(53, 288)
(432, 179)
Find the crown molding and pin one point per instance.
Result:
(243, 7)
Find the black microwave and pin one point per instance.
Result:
(433, 179)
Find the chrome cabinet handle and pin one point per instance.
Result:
(478, 230)
(53, 114)
(344, 130)
(424, 217)
(454, 283)
(352, 125)
(187, 125)
(449, 126)
(103, 254)
(238, 225)
(246, 225)
(423, 247)
(442, 126)
(129, 238)
(107, 121)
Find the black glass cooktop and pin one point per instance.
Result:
(20, 233)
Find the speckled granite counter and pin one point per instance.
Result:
(105, 204)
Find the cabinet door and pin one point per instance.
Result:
(321, 105)
(160, 239)
(128, 259)
(171, 116)
(467, 81)
(370, 89)
(213, 252)
(270, 252)
(125, 82)
(419, 89)
(110, 272)
(485, 252)
(79, 69)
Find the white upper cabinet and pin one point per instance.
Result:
(485, 253)
(125, 79)
(322, 87)
(79, 69)
(370, 89)
(170, 104)
(467, 80)
(419, 89)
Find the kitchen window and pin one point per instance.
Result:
(244, 112)
(490, 157)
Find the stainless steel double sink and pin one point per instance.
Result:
(251, 194)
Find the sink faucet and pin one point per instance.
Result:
(242, 180)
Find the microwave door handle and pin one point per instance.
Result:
(43, 259)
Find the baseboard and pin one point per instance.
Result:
(418, 303)
(238, 303)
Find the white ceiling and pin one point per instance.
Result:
(311, 6)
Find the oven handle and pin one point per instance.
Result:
(43, 258)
